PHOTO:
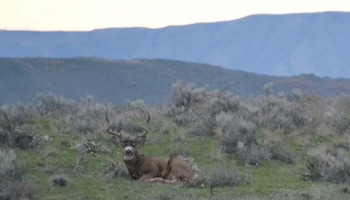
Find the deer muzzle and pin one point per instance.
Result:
(128, 151)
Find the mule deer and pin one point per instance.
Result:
(148, 168)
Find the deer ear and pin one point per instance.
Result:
(117, 140)
(140, 140)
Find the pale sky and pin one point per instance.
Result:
(95, 14)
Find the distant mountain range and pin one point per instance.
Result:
(151, 80)
(290, 44)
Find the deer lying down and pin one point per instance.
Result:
(147, 168)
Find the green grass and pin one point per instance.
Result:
(269, 180)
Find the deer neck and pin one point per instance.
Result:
(133, 165)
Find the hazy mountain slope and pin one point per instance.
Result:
(290, 44)
(150, 80)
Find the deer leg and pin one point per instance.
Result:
(162, 180)
(170, 178)
(157, 179)
(146, 178)
(170, 181)
(151, 179)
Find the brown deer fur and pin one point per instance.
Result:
(147, 168)
(179, 170)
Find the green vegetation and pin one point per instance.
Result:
(291, 146)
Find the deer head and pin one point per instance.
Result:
(126, 139)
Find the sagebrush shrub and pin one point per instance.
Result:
(114, 168)
(89, 117)
(52, 105)
(253, 154)
(186, 101)
(281, 115)
(283, 154)
(268, 88)
(238, 138)
(14, 132)
(222, 176)
(186, 96)
(233, 130)
(220, 103)
(328, 166)
(25, 137)
(8, 159)
(16, 189)
(340, 115)
(10, 167)
(85, 126)
(198, 108)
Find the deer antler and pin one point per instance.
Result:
(109, 130)
(144, 133)
(148, 117)
(145, 114)
(115, 133)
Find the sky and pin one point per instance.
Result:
(83, 15)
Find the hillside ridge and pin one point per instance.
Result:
(119, 81)
(288, 44)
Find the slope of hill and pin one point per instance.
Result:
(150, 80)
(267, 44)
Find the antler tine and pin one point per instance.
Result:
(109, 130)
(115, 133)
(144, 133)
(146, 114)
(106, 115)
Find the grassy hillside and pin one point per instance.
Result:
(151, 80)
(294, 146)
